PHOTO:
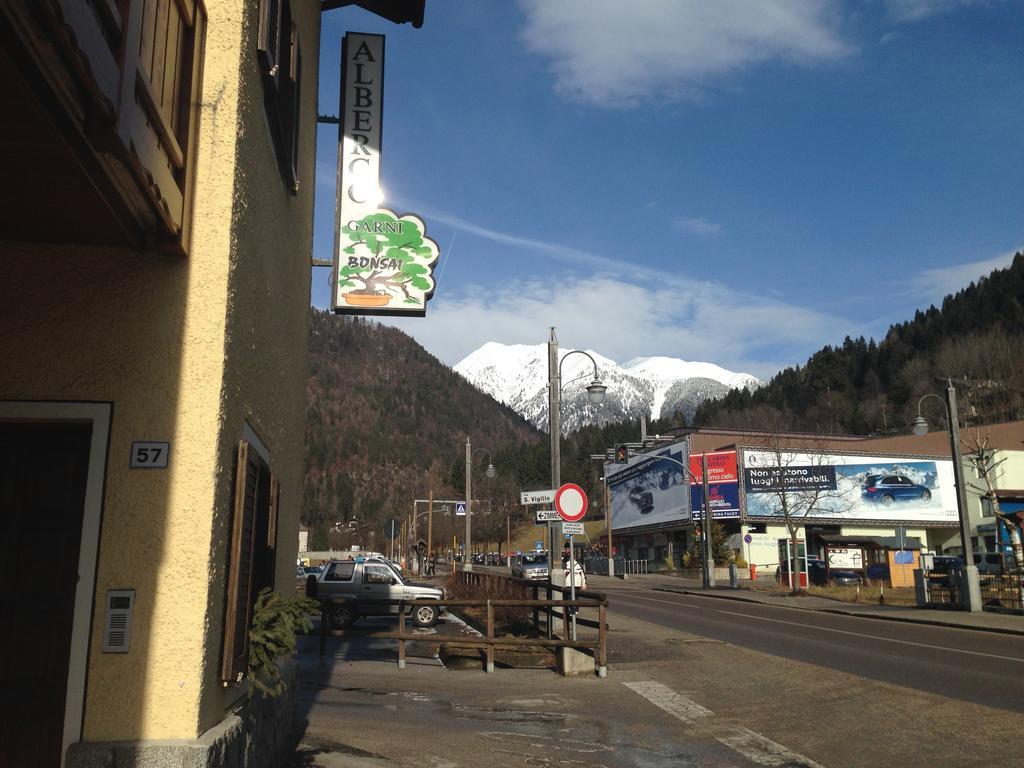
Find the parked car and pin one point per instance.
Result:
(819, 574)
(887, 489)
(992, 563)
(359, 588)
(531, 565)
(877, 572)
(815, 572)
(845, 577)
(942, 565)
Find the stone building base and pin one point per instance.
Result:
(262, 734)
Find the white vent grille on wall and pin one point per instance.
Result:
(117, 630)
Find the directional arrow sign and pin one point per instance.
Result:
(547, 516)
(572, 529)
(571, 502)
(537, 497)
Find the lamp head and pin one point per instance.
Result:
(595, 392)
(920, 427)
(490, 470)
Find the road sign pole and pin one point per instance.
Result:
(572, 584)
(709, 561)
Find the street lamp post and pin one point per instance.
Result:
(595, 393)
(467, 564)
(970, 595)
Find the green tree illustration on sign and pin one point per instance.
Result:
(389, 257)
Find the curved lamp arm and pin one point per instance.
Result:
(490, 472)
(920, 426)
(596, 389)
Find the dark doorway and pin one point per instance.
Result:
(43, 471)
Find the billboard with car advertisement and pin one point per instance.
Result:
(850, 487)
(650, 489)
(723, 485)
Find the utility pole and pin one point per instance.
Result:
(608, 520)
(467, 560)
(709, 563)
(554, 430)
(430, 523)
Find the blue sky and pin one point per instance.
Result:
(740, 181)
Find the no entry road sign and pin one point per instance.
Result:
(571, 502)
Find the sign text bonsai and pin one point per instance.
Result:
(388, 257)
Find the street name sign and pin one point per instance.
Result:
(572, 529)
(537, 497)
(571, 502)
(547, 516)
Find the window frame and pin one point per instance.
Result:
(252, 553)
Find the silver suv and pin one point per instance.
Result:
(531, 565)
(363, 587)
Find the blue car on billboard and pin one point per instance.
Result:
(887, 489)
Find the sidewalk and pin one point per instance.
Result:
(986, 621)
(671, 699)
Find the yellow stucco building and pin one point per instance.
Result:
(155, 257)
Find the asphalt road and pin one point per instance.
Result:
(981, 667)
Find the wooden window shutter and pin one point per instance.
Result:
(275, 499)
(240, 569)
(294, 106)
(268, 45)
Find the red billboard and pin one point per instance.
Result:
(721, 467)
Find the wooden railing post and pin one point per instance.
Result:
(490, 638)
(536, 610)
(550, 610)
(401, 634)
(323, 630)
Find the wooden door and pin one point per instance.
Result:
(43, 469)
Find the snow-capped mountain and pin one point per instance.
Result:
(517, 375)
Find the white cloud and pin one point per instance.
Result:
(901, 11)
(622, 320)
(933, 285)
(698, 226)
(610, 53)
(650, 312)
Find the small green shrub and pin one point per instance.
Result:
(275, 620)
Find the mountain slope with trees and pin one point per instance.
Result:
(866, 387)
(386, 422)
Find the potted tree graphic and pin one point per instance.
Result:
(388, 258)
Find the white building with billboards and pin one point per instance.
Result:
(839, 489)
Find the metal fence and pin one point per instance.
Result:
(942, 589)
(599, 566)
(1002, 592)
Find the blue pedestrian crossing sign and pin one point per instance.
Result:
(460, 508)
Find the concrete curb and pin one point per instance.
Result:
(841, 612)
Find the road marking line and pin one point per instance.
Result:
(876, 637)
(665, 698)
(666, 602)
(763, 751)
(753, 746)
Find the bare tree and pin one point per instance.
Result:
(983, 459)
(798, 488)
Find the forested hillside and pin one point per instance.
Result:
(386, 422)
(868, 387)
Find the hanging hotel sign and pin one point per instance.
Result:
(383, 261)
